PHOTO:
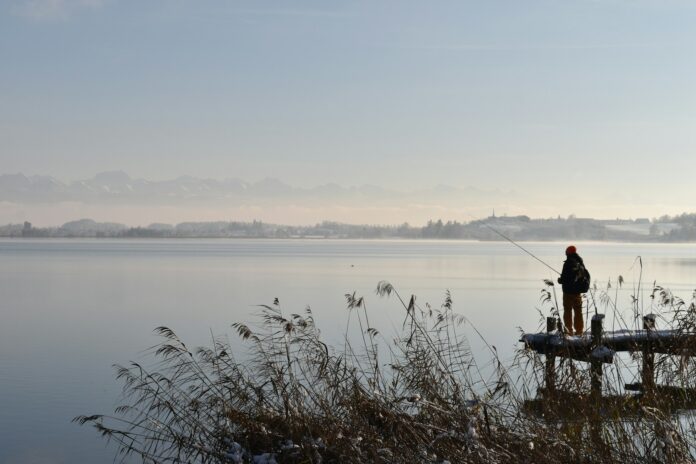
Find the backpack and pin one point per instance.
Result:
(582, 278)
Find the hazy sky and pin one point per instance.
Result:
(550, 99)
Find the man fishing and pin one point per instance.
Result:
(575, 281)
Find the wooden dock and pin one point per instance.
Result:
(599, 347)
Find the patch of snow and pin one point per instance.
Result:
(235, 453)
(289, 445)
(265, 458)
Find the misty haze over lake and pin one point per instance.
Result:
(115, 196)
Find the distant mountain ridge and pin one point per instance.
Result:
(119, 187)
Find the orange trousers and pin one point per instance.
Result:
(572, 303)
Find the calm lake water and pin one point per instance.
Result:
(72, 308)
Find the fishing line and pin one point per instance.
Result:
(538, 259)
(516, 244)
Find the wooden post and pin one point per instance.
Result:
(550, 367)
(596, 330)
(648, 371)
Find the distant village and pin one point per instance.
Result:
(680, 228)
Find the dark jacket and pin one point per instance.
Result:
(571, 275)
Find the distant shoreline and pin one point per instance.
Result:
(330, 239)
(677, 229)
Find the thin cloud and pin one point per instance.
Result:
(300, 12)
(52, 10)
(524, 48)
(256, 16)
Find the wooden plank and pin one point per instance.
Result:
(673, 342)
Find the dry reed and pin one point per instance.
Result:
(418, 398)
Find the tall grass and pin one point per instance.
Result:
(420, 397)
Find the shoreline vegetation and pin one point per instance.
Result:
(420, 396)
(666, 229)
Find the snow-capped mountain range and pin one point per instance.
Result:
(119, 187)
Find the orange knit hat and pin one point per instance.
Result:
(571, 250)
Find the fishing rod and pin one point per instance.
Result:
(483, 221)
(516, 244)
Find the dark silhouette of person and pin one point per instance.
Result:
(575, 281)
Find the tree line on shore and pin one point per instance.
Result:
(664, 229)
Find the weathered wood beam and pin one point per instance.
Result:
(578, 348)
(648, 355)
(596, 332)
(673, 342)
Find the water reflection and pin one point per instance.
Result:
(71, 308)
